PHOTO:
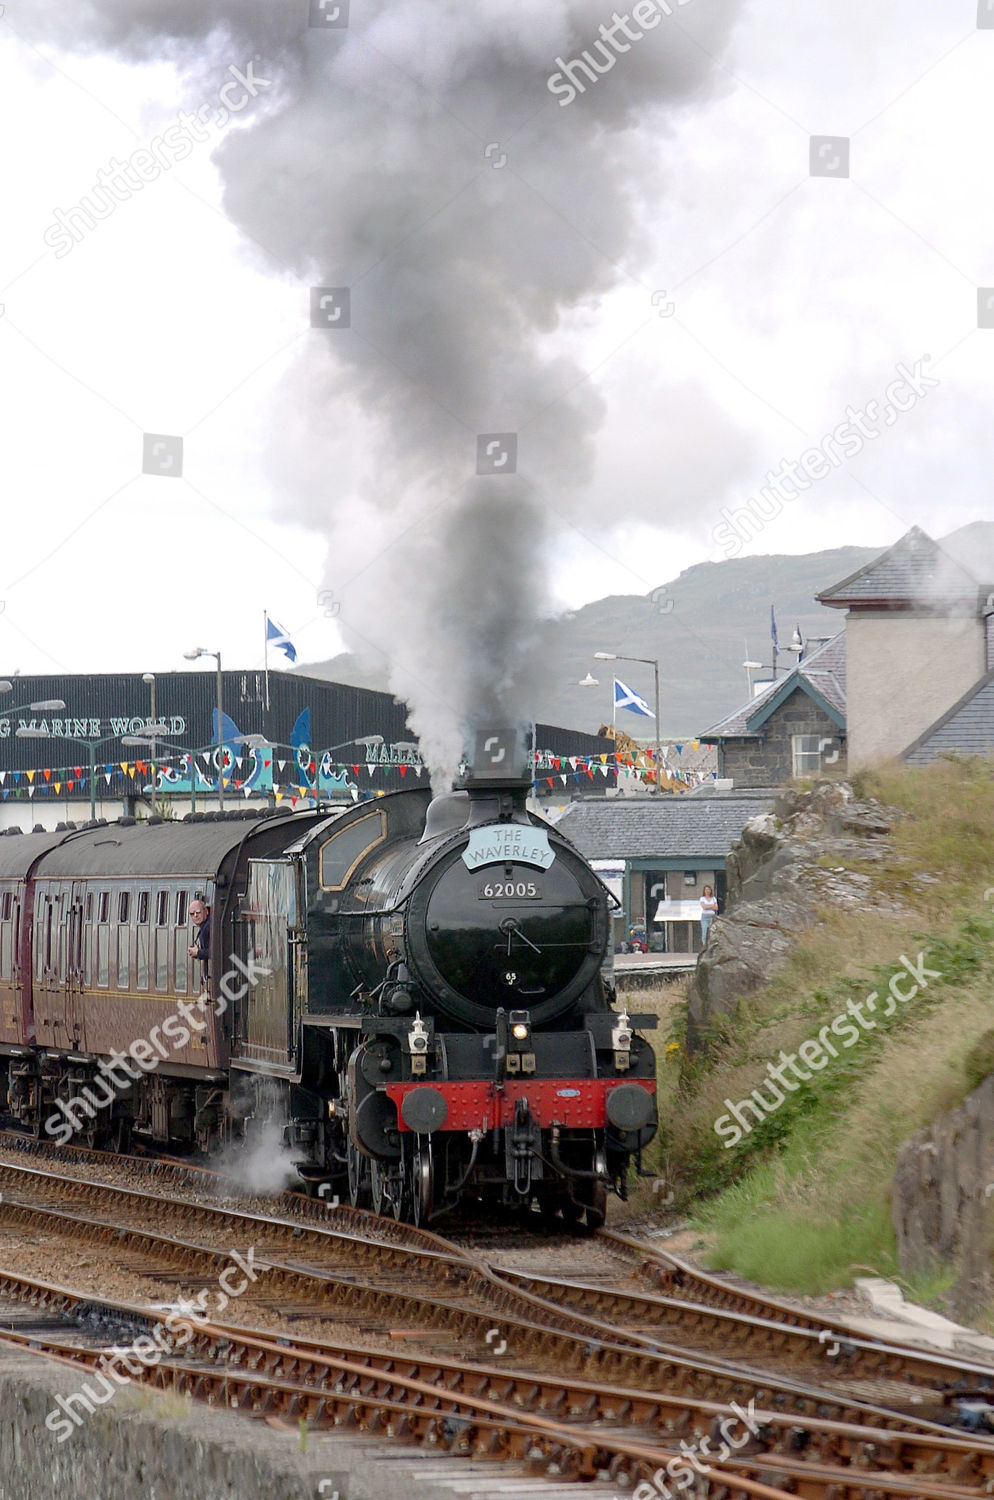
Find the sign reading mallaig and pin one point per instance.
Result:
(502, 842)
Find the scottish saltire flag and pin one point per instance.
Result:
(277, 636)
(626, 697)
(773, 629)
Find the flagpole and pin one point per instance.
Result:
(265, 632)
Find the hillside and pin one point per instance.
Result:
(797, 1193)
(701, 626)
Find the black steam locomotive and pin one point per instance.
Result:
(416, 992)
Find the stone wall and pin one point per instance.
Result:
(769, 761)
(942, 1201)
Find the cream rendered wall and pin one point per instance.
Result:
(903, 671)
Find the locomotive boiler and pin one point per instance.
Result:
(415, 991)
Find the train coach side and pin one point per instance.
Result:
(100, 929)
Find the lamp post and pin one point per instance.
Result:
(41, 705)
(652, 662)
(149, 678)
(254, 741)
(750, 667)
(193, 656)
(153, 737)
(24, 733)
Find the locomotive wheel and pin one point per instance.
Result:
(358, 1170)
(422, 1184)
(597, 1207)
(595, 1194)
(376, 1185)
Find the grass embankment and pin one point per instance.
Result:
(801, 1201)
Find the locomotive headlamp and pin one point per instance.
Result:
(417, 1044)
(621, 1041)
(520, 1057)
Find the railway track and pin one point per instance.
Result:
(392, 1291)
(469, 1359)
(807, 1346)
(474, 1412)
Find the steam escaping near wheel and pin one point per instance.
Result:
(419, 158)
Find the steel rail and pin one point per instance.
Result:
(394, 1405)
(848, 1353)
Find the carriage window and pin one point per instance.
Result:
(124, 906)
(343, 851)
(6, 949)
(180, 908)
(123, 957)
(182, 960)
(49, 905)
(103, 940)
(37, 932)
(161, 940)
(141, 943)
(8, 901)
(64, 937)
(89, 906)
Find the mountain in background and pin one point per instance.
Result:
(702, 626)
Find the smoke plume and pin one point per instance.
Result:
(417, 157)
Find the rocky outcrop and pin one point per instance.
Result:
(789, 865)
(942, 1201)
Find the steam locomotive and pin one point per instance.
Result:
(414, 992)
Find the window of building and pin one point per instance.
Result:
(690, 877)
(806, 750)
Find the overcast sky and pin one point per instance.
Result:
(762, 302)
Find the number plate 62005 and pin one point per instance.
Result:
(509, 890)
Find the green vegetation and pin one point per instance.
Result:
(801, 1201)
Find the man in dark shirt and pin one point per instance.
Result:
(200, 916)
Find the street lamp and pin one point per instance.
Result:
(255, 740)
(25, 733)
(652, 662)
(193, 655)
(153, 738)
(750, 667)
(41, 705)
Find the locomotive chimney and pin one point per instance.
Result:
(497, 773)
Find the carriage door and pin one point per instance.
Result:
(73, 958)
(267, 916)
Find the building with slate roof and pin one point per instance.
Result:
(966, 729)
(795, 727)
(658, 853)
(917, 632)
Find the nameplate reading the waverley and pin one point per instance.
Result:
(501, 842)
